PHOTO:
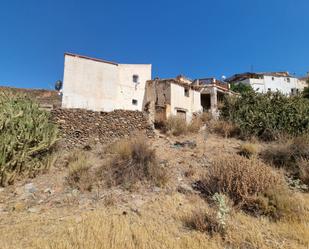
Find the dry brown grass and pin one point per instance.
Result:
(253, 186)
(206, 117)
(248, 150)
(176, 126)
(238, 177)
(286, 151)
(224, 128)
(204, 221)
(195, 125)
(133, 161)
(303, 165)
(79, 176)
(160, 225)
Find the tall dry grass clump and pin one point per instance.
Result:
(224, 128)
(239, 178)
(80, 176)
(289, 153)
(26, 137)
(248, 150)
(251, 185)
(133, 161)
(176, 125)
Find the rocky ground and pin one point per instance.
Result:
(42, 208)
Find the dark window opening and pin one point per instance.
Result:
(187, 92)
(134, 101)
(135, 78)
(288, 79)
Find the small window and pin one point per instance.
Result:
(272, 78)
(134, 102)
(288, 79)
(269, 89)
(187, 92)
(135, 78)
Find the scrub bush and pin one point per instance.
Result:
(266, 116)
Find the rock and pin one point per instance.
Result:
(19, 206)
(33, 210)
(185, 189)
(75, 192)
(187, 143)
(30, 188)
(48, 191)
(156, 189)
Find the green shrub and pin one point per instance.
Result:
(26, 137)
(241, 87)
(267, 115)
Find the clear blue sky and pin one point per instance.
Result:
(195, 38)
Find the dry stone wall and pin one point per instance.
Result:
(80, 127)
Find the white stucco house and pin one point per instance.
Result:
(100, 85)
(273, 81)
(175, 96)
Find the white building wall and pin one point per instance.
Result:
(102, 86)
(281, 84)
(189, 104)
(89, 84)
(274, 84)
(128, 90)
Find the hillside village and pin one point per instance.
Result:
(114, 158)
(100, 85)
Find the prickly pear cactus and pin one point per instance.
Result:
(26, 137)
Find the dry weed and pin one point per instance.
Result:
(238, 177)
(224, 128)
(176, 125)
(303, 165)
(248, 150)
(204, 222)
(79, 176)
(133, 161)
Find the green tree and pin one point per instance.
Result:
(306, 91)
(241, 87)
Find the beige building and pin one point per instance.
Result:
(166, 97)
(99, 85)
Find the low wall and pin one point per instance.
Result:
(78, 127)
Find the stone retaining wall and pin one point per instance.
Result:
(79, 127)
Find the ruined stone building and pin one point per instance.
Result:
(176, 96)
(212, 93)
(99, 85)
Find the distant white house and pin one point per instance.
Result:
(274, 81)
(101, 85)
